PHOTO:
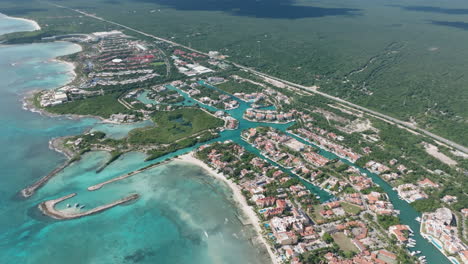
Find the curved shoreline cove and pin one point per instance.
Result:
(205, 216)
(15, 24)
(181, 216)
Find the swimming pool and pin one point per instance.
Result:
(435, 243)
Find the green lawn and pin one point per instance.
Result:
(158, 63)
(239, 87)
(317, 217)
(174, 125)
(344, 242)
(350, 208)
(103, 106)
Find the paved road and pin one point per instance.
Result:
(309, 89)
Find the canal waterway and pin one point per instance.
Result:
(166, 224)
(183, 215)
(407, 213)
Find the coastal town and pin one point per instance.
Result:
(314, 173)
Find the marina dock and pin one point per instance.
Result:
(48, 207)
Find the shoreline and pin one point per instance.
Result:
(432, 239)
(237, 196)
(30, 21)
(56, 144)
(28, 105)
(28, 97)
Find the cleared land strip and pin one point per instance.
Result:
(125, 104)
(369, 111)
(48, 207)
(372, 112)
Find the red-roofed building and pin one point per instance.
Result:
(273, 212)
(385, 257)
(464, 211)
(400, 231)
(277, 173)
(264, 202)
(464, 256)
(326, 213)
(426, 183)
(332, 205)
(280, 203)
(359, 245)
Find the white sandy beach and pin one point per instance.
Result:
(237, 195)
(32, 22)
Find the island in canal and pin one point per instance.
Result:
(323, 181)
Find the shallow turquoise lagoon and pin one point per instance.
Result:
(183, 215)
(9, 25)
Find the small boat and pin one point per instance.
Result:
(418, 219)
(83, 206)
(68, 205)
(418, 252)
(76, 205)
(422, 257)
(318, 197)
(412, 253)
(206, 234)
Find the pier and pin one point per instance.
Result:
(31, 189)
(130, 174)
(48, 207)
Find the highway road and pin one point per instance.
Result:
(387, 118)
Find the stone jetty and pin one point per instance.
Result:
(31, 189)
(48, 207)
(130, 174)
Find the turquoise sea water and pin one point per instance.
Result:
(183, 215)
(10, 24)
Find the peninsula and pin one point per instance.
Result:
(322, 180)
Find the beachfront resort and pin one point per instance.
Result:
(308, 173)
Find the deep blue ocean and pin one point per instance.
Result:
(183, 215)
